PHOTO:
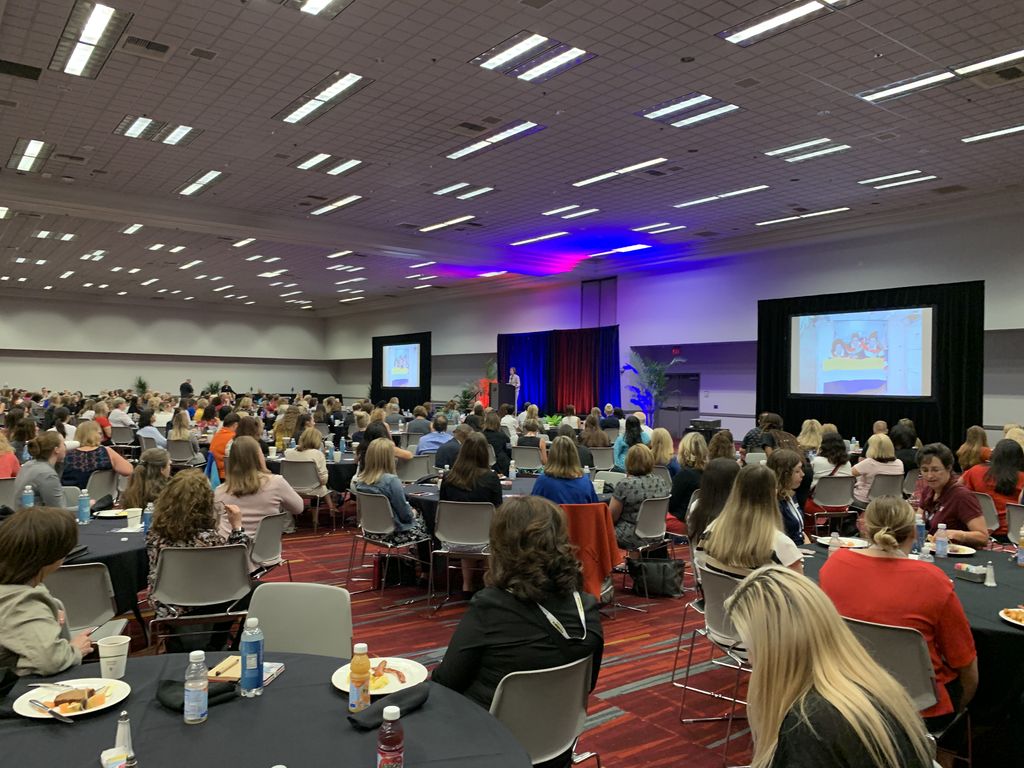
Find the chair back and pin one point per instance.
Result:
(754, 459)
(903, 653)
(411, 470)
(180, 451)
(526, 457)
(201, 576)
(910, 481)
(266, 544)
(492, 459)
(650, 518)
(102, 483)
(71, 494)
(122, 435)
(374, 513)
(299, 474)
(662, 472)
(610, 478)
(87, 594)
(1014, 521)
(988, 509)
(604, 458)
(322, 428)
(147, 442)
(886, 485)
(465, 523)
(612, 433)
(352, 429)
(304, 618)
(833, 491)
(7, 492)
(545, 708)
(412, 439)
(717, 589)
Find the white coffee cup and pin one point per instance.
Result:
(272, 451)
(599, 486)
(113, 655)
(133, 517)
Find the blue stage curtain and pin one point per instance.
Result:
(531, 355)
(609, 388)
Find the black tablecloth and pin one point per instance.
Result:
(425, 497)
(124, 554)
(299, 721)
(339, 472)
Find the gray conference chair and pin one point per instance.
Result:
(910, 481)
(886, 485)
(527, 457)
(7, 492)
(304, 479)
(102, 483)
(754, 459)
(88, 597)
(411, 470)
(988, 509)
(903, 653)
(304, 618)
(267, 550)
(1014, 521)
(463, 528)
(604, 458)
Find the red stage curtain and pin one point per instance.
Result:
(577, 353)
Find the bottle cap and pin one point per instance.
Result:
(252, 622)
(359, 648)
(392, 713)
(942, 526)
(197, 656)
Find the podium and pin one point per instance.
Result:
(499, 394)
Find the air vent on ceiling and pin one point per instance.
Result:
(202, 53)
(8, 103)
(707, 233)
(491, 120)
(887, 136)
(798, 209)
(146, 49)
(535, 3)
(14, 69)
(1000, 77)
(747, 82)
(468, 129)
(76, 159)
(658, 173)
(315, 197)
(949, 190)
(281, 156)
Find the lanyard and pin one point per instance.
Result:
(558, 625)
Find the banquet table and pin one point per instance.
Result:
(299, 721)
(1000, 645)
(124, 554)
(339, 472)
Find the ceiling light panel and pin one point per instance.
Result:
(910, 85)
(623, 249)
(620, 172)
(322, 9)
(992, 134)
(532, 57)
(806, 150)
(340, 203)
(578, 214)
(781, 19)
(538, 238)
(691, 109)
(904, 182)
(323, 97)
(200, 182)
(994, 62)
(146, 128)
(517, 130)
(131, 229)
(90, 34)
(30, 155)
(812, 215)
(721, 196)
(322, 162)
(829, 150)
(449, 223)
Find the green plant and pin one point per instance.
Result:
(652, 381)
(552, 421)
(213, 387)
(468, 395)
(140, 385)
(491, 369)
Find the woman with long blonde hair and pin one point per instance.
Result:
(975, 448)
(748, 532)
(564, 481)
(379, 477)
(284, 426)
(692, 458)
(662, 448)
(816, 697)
(809, 438)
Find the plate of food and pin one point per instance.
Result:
(846, 542)
(1013, 615)
(955, 550)
(387, 675)
(73, 697)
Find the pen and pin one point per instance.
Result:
(234, 660)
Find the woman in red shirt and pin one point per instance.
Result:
(102, 409)
(944, 500)
(872, 585)
(1002, 479)
(9, 464)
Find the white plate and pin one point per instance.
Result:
(415, 673)
(117, 692)
(955, 550)
(1008, 620)
(845, 541)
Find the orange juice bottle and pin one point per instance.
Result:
(359, 679)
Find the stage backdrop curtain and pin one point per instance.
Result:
(958, 333)
(530, 353)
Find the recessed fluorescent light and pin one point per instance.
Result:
(275, 273)
(116, 269)
(428, 277)
(29, 155)
(40, 262)
(520, 47)
(87, 285)
(651, 226)
(705, 116)
(818, 153)
(122, 293)
(686, 103)
(150, 281)
(336, 204)
(67, 236)
(43, 234)
(314, 7)
(178, 249)
(326, 92)
(417, 287)
(906, 86)
(559, 210)
(993, 134)
(47, 287)
(229, 285)
(243, 242)
(584, 212)
(989, 63)
(88, 37)
(350, 280)
(156, 246)
(448, 223)
(890, 176)
(538, 238)
(475, 193)
(314, 161)
(493, 274)
(620, 171)
(131, 229)
(452, 188)
(200, 181)
(411, 277)
(734, 193)
(796, 147)
(336, 254)
(138, 127)
(217, 277)
(188, 298)
(785, 17)
(134, 270)
(191, 264)
(552, 64)
(176, 135)
(350, 298)
(345, 166)
(623, 249)
(271, 259)
(254, 257)
(359, 290)
(423, 264)
(667, 229)
(67, 274)
(905, 181)
(283, 295)
(802, 216)
(518, 129)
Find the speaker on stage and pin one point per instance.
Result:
(501, 393)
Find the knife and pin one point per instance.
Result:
(53, 712)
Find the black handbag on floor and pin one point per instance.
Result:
(661, 577)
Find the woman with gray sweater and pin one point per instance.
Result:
(46, 451)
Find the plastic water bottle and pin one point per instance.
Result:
(251, 647)
(834, 544)
(1020, 548)
(341, 444)
(359, 679)
(147, 518)
(28, 497)
(83, 508)
(330, 450)
(196, 688)
(291, 443)
(391, 740)
(586, 471)
(854, 445)
(512, 470)
(919, 527)
(941, 541)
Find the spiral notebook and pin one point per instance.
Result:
(230, 670)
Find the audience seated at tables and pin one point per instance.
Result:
(609, 420)
(910, 424)
(119, 416)
(564, 481)
(751, 442)
(420, 425)
(221, 438)
(101, 420)
(790, 474)
(60, 425)
(663, 450)
(34, 637)
(638, 485)
(721, 445)
(632, 435)
(532, 412)
(90, 457)
(716, 484)
(378, 476)
(593, 436)
(944, 500)
(448, 451)
(773, 436)
(362, 422)
(438, 436)
(873, 584)
(832, 459)
(147, 429)
(310, 448)
(181, 430)
(532, 437)
(809, 439)
(570, 417)
(498, 440)
(880, 459)
(24, 431)
(471, 479)
(974, 450)
(586, 458)
(816, 698)
(148, 480)
(904, 443)
(509, 423)
(9, 464)
(532, 614)
(748, 531)
(1002, 479)
(45, 452)
(692, 457)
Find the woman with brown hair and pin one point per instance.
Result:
(24, 431)
(251, 489)
(284, 427)
(974, 450)
(788, 467)
(532, 614)
(46, 451)
(34, 638)
(721, 446)
(498, 440)
(563, 481)
(593, 436)
(631, 492)
(148, 479)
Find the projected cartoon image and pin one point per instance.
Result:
(401, 365)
